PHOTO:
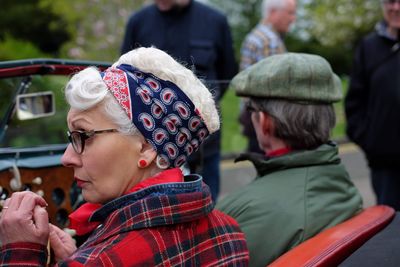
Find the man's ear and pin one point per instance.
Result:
(266, 123)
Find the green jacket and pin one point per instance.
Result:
(293, 197)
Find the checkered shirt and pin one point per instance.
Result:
(260, 43)
(174, 229)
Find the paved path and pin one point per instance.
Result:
(235, 175)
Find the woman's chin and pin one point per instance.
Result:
(88, 197)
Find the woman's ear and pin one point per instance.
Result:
(147, 154)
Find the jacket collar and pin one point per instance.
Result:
(163, 204)
(80, 218)
(324, 154)
(382, 30)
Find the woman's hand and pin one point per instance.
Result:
(62, 243)
(24, 219)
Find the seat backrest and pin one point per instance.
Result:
(333, 245)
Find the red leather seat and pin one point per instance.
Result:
(332, 246)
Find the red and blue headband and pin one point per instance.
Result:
(160, 110)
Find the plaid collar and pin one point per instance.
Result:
(79, 219)
(160, 204)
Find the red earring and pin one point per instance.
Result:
(142, 163)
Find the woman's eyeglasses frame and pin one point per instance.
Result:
(78, 138)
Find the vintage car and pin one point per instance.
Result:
(33, 132)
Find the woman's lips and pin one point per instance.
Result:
(80, 182)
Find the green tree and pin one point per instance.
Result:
(336, 26)
(96, 26)
(330, 28)
(91, 29)
(30, 21)
(341, 22)
(12, 49)
(242, 15)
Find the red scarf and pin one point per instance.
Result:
(79, 219)
(279, 152)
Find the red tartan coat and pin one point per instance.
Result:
(163, 225)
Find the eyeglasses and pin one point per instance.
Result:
(78, 138)
(391, 2)
(250, 108)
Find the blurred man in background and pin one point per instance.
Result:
(372, 104)
(264, 40)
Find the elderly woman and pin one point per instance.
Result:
(131, 128)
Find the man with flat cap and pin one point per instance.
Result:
(301, 186)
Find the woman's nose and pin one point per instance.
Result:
(70, 157)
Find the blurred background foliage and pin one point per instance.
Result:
(93, 30)
(330, 28)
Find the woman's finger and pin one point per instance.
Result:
(30, 200)
(41, 219)
(63, 244)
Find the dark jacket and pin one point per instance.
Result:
(197, 36)
(372, 104)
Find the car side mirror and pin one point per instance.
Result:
(35, 105)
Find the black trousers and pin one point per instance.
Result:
(386, 185)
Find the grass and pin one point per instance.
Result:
(234, 142)
(232, 139)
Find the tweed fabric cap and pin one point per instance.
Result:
(297, 77)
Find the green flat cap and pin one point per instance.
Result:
(290, 76)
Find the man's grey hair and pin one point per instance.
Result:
(268, 5)
(300, 126)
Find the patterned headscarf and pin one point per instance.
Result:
(160, 110)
